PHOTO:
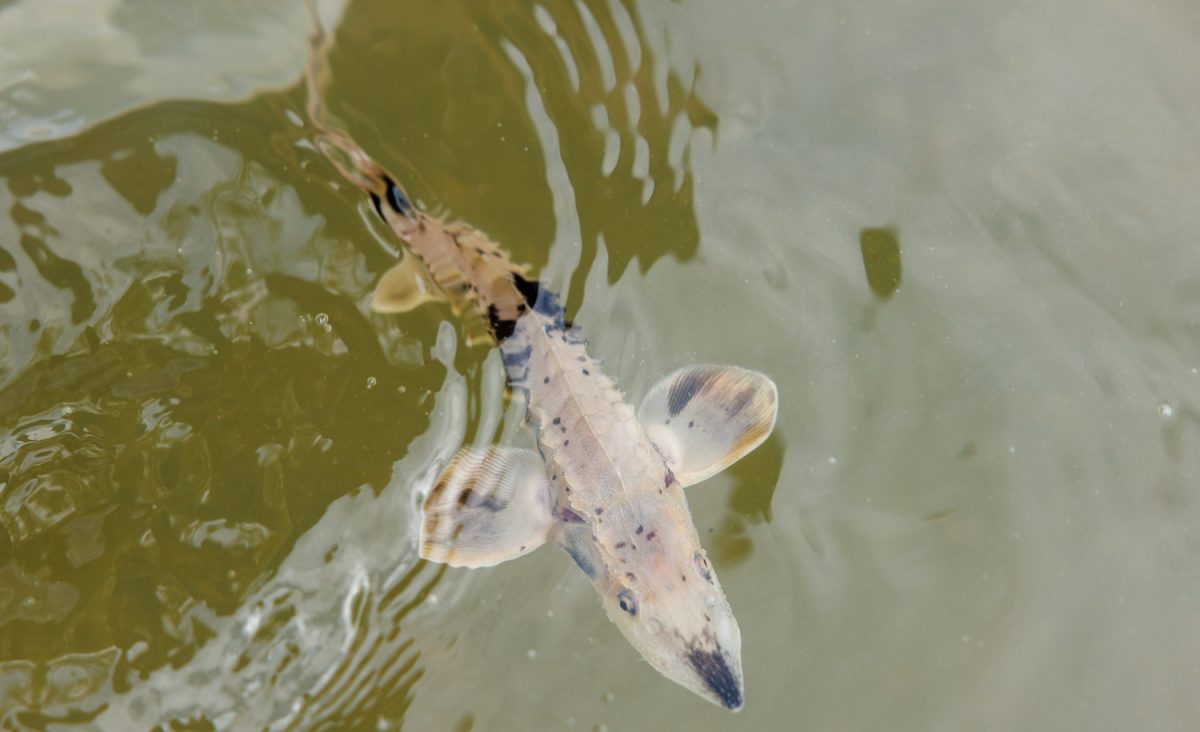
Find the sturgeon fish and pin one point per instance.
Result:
(606, 483)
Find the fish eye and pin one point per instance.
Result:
(627, 602)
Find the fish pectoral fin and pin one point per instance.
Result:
(488, 506)
(404, 287)
(577, 541)
(705, 418)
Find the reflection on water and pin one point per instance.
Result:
(977, 511)
(66, 65)
(325, 640)
(200, 386)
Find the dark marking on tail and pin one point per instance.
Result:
(396, 198)
(540, 299)
(378, 208)
(535, 297)
(516, 360)
(501, 328)
(529, 290)
(516, 363)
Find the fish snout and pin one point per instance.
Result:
(721, 678)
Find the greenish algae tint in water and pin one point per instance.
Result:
(978, 510)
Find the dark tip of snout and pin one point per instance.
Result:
(717, 676)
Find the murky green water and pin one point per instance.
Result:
(961, 238)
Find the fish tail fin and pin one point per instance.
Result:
(457, 262)
(464, 266)
(354, 164)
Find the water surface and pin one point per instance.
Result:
(960, 237)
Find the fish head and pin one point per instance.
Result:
(661, 591)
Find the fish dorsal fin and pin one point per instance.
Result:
(488, 506)
(704, 418)
(404, 287)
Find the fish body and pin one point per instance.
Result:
(606, 483)
(621, 513)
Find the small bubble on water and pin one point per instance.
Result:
(371, 382)
(322, 319)
(1012, 450)
(1166, 410)
(531, 653)
(608, 697)
(831, 460)
(402, 389)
